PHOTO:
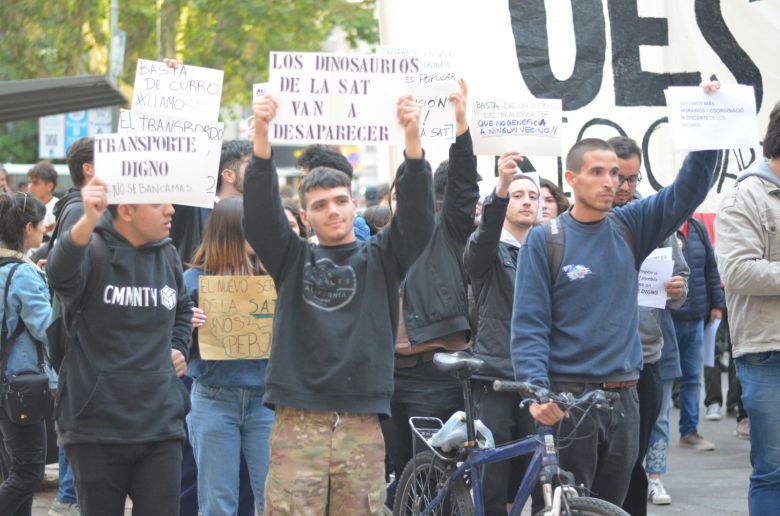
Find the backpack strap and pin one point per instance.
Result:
(625, 232)
(554, 238)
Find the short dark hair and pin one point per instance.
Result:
(520, 176)
(440, 179)
(377, 217)
(44, 171)
(322, 177)
(16, 210)
(625, 147)
(772, 137)
(80, 152)
(233, 153)
(560, 198)
(315, 156)
(579, 149)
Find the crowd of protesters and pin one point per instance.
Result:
(364, 302)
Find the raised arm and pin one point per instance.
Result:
(482, 247)
(462, 193)
(69, 264)
(264, 221)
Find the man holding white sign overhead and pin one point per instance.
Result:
(331, 368)
(557, 345)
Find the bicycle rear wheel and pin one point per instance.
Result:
(588, 506)
(420, 482)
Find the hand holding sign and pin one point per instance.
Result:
(94, 196)
(408, 113)
(458, 100)
(507, 168)
(675, 287)
(264, 110)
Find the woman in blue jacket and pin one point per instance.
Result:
(228, 416)
(24, 301)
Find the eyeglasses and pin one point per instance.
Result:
(631, 180)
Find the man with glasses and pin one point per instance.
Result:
(654, 324)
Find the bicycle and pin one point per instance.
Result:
(444, 483)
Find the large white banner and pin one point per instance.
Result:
(609, 62)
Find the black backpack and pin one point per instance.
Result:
(554, 238)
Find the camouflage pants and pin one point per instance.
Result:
(323, 463)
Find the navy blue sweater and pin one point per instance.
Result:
(584, 326)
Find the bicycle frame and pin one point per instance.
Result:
(544, 455)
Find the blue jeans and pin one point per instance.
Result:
(66, 490)
(690, 341)
(223, 422)
(655, 460)
(759, 377)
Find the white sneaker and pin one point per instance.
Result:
(656, 493)
(713, 412)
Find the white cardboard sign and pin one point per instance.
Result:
(131, 121)
(431, 86)
(337, 98)
(152, 168)
(725, 119)
(190, 92)
(531, 127)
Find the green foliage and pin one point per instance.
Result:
(19, 142)
(70, 37)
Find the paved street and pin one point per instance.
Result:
(700, 483)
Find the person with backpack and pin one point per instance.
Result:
(121, 407)
(575, 324)
(26, 313)
(228, 416)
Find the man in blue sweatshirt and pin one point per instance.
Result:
(577, 331)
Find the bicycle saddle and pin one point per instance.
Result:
(457, 362)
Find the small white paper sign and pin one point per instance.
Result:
(337, 98)
(190, 92)
(531, 127)
(655, 272)
(725, 119)
(258, 90)
(710, 330)
(431, 86)
(131, 121)
(152, 168)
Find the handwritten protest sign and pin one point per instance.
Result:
(725, 119)
(190, 92)
(531, 127)
(152, 168)
(337, 98)
(259, 89)
(135, 121)
(239, 316)
(430, 86)
(655, 272)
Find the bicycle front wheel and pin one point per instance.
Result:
(588, 506)
(420, 482)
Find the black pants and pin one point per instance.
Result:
(106, 474)
(420, 391)
(601, 448)
(501, 413)
(25, 447)
(650, 392)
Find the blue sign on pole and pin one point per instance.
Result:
(76, 126)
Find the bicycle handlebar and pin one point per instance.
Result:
(565, 399)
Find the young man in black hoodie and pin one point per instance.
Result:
(331, 368)
(121, 409)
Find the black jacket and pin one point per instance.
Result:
(435, 299)
(704, 290)
(492, 266)
(117, 384)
